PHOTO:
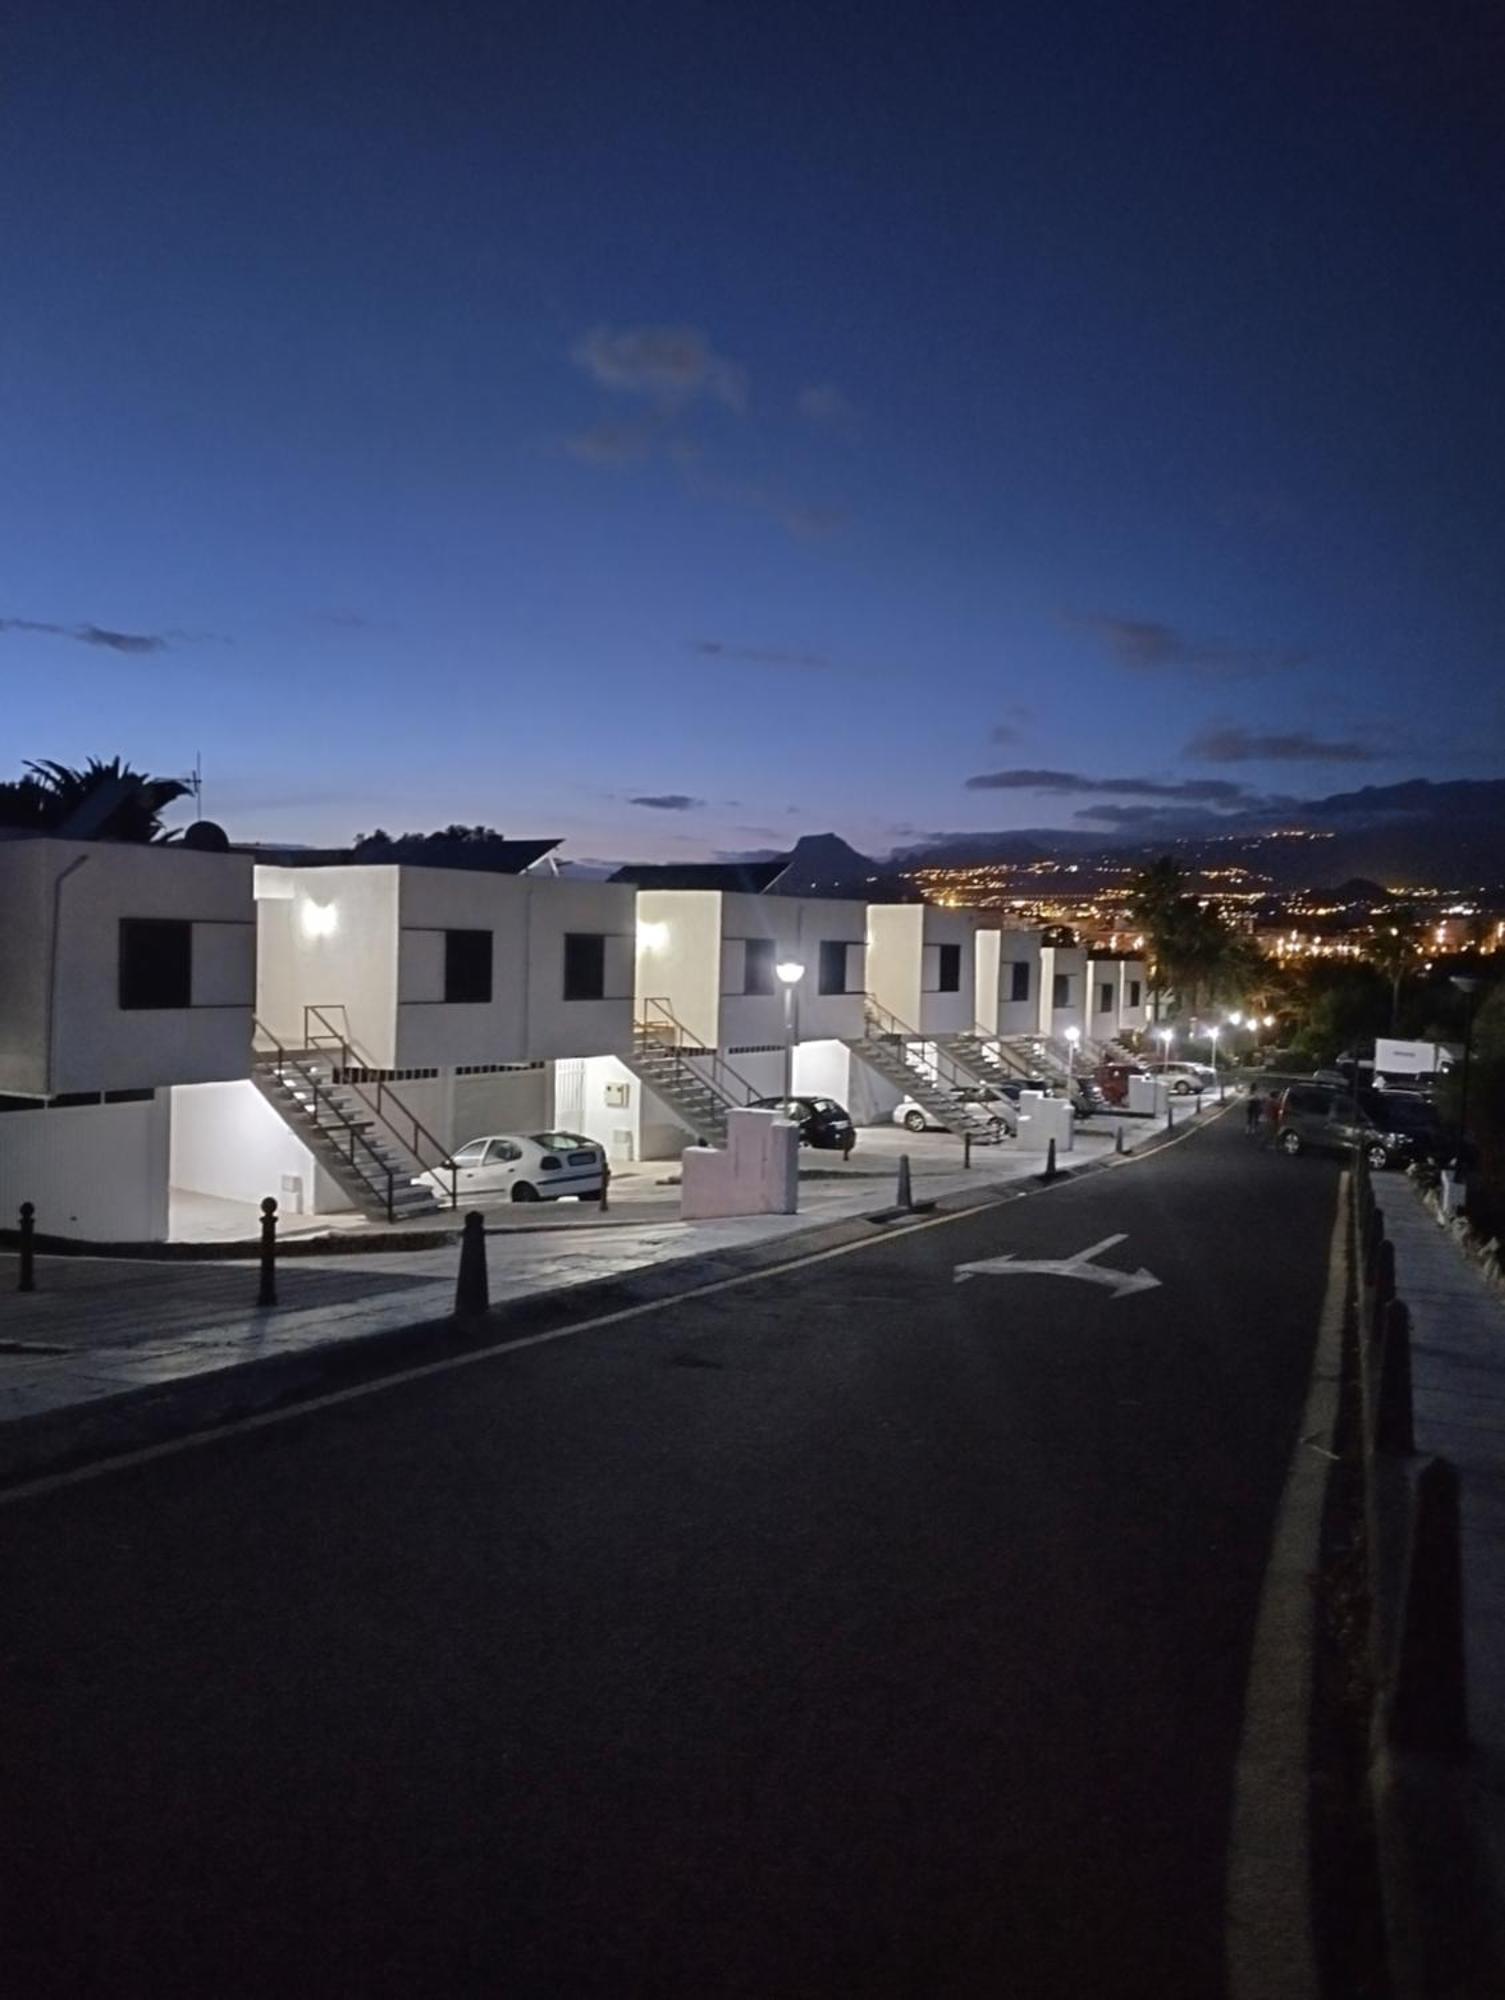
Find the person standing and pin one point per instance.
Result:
(1254, 1111)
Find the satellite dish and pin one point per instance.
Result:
(206, 837)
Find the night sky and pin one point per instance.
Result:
(681, 427)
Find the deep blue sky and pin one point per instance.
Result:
(506, 413)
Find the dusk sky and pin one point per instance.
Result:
(677, 428)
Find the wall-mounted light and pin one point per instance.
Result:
(318, 919)
(790, 971)
(652, 936)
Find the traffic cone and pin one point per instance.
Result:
(1050, 1160)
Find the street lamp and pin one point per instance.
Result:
(1212, 1036)
(1073, 1036)
(790, 972)
(1235, 1020)
(1469, 987)
(1166, 1037)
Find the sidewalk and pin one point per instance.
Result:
(99, 1329)
(1458, 1389)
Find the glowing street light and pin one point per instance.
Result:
(790, 972)
(1073, 1036)
(1166, 1037)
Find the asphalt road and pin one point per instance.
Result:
(853, 1631)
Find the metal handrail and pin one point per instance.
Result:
(351, 1051)
(660, 1028)
(285, 1060)
(948, 1074)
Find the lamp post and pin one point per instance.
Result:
(790, 972)
(1166, 1037)
(1469, 986)
(1073, 1038)
(1212, 1037)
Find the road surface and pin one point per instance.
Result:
(856, 1630)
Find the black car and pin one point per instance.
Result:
(1316, 1118)
(822, 1121)
(1409, 1114)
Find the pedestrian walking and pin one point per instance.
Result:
(1254, 1112)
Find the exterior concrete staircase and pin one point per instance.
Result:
(359, 1151)
(1036, 1055)
(936, 1082)
(695, 1083)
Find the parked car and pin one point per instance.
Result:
(822, 1121)
(915, 1118)
(1087, 1096)
(1411, 1113)
(1184, 1079)
(1312, 1117)
(537, 1166)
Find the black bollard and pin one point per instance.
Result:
(266, 1291)
(1050, 1160)
(966, 1149)
(605, 1184)
(28, 1278)
(904, 1197)
(472, 1292)
(1118, 1140)
(1428, 1709)
(1170, 1115)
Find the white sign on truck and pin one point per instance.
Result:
(1410, 1058)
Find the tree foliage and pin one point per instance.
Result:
(48, 797)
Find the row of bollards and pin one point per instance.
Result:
(1413, 1510)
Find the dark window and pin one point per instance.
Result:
(1019, 980)
(1105, 998)
(584, 965)
(758, 973)
(833, 966)
(467, 967)
(1060, 992)
(156, 962)
(948, 973)
(1133, 992)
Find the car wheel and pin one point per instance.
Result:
(1182, 1088)
(914, 1121)
(1290, 1142)
(1376, 1157)
(525, 1191)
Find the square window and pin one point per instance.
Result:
(1133, 992)
(1105, 998)
(758, 975)
(948, 977)
(1019, 980)
(1060, 992)
(156, 963)
(832, 977)
(467, 967)
(584, 965)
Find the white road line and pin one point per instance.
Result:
(126, 1461)
(1269, 1943)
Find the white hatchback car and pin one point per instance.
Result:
(1182, 1079)
(537, 1166)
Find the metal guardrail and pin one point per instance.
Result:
(658, 1029)
(406, 1127)
(373, 1172)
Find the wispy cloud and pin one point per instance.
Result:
(1075, 784)
(1295, 746)
(824, 405)
(612, 444)
(762, 656)
(94, 635)
(1005, 732)
(670, 366)
(668, 802)
(1145, 645)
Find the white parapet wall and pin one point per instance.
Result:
(228, 1142)
(1042, 1119)
(97, 1172)
(756, 1174)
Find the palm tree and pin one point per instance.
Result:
(1394, 954)
(50, 796)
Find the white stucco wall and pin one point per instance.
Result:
(60, 982)
(95, 1172)
(1068, 962)
(327, 938)
(678, 956)
(227, 1141)
(895, 937)
(904, 960)
(1018, 947)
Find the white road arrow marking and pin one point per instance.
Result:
(1121, 1283)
